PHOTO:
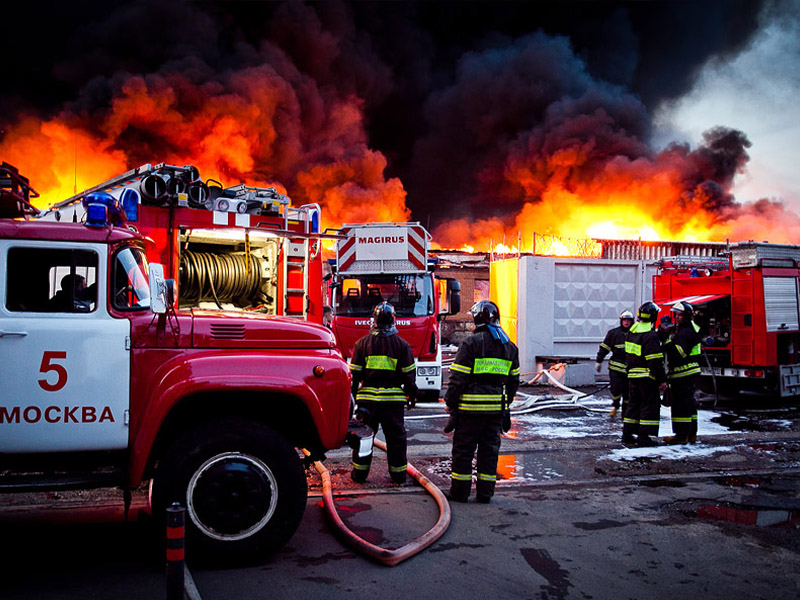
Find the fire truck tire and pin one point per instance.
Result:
(243, 487)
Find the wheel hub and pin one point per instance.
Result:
(231, 496)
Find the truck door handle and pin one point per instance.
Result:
(18, 333)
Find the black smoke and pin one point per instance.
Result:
(458, 96)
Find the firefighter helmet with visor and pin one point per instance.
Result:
(625, 314)
(485, 312)
(683, 308)
(648, 312)
(383, 319)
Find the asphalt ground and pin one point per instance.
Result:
(576, 515)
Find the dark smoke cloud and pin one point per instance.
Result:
(462, 99)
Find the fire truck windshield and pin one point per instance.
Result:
(411, 295)
(131, 288)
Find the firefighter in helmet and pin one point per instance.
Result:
(683, 348)
(483, 381)
(614, 343)
(384, 384)
(646, 379)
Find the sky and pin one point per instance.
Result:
(756, 91)
(482, 120)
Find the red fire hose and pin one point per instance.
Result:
(384, 555)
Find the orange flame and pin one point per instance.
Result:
(252, 131)
(626, 201)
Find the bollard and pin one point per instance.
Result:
(176, 516)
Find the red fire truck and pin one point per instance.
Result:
(106, 383)
(377, 262)
(238, 248)
(747, 306)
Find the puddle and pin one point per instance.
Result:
(511, 468)
(757, 517)
(740, 481)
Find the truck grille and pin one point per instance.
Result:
(222, 331)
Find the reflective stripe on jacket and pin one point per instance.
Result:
(683, 351)
(482, 367)
(643, 353)
(614, 343)
(383, 369)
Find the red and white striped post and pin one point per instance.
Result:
(176, 516)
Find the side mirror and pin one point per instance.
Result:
(158, 288)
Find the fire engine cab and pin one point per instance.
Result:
(377, 262)
(747, 306)
(109, 380)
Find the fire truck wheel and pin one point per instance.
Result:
(243, 487)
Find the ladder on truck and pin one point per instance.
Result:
(298, 252)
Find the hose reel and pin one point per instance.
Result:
(222, 278)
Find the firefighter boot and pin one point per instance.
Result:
(457, 497)
(675, 440)
(359, 475)
(397, 476)
(692, 438)
(613, 412)
(645, 441)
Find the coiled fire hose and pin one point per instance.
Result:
(221, 277)
(385, 556)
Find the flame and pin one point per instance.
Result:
(250, 130)
(631, 203)
(503, 249)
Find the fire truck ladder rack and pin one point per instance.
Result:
(163, 184)
(298, 252)
(692, 262)
(136, 174)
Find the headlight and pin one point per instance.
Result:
(428, 371)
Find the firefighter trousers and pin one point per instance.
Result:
(644, 409)
(481, 431)
(618, 386)
(390, 416)
(684, 408)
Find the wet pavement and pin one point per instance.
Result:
(576, 515)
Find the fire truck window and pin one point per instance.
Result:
(130, 285)
(411, 295)
(51, 280)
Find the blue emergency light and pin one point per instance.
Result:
(130, 204)
(96, 215)
(102, 208)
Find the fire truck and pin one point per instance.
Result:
(377, 262)
(747, 307)
(110, 379)
(238, 248)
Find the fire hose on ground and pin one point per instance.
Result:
(385, 556)
(392, 557)
(537, 406)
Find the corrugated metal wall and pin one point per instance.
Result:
(651, 251)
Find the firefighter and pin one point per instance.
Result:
(614, 343)
(646, 379)
(384, 383)
(483, 380)
(682, 348)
